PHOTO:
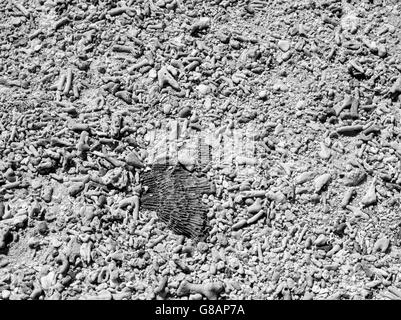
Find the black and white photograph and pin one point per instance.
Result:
(201, 152)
